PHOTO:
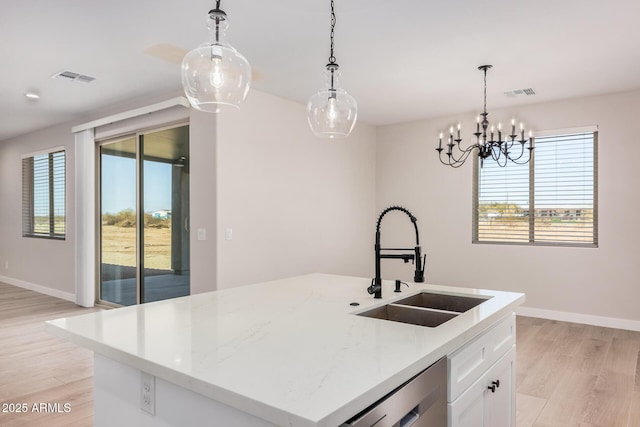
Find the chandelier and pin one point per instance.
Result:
(502, 151)
(215, 76)
(332, 112)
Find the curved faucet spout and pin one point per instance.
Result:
(413, 219)
(376, 283)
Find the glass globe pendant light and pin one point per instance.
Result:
(332, 112)
(215, 76)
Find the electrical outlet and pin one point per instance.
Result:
(202, 234)
(148, 393)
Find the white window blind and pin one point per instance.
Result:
(550, 200)
(44, 195)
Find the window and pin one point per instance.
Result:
(552, 200)
(43, 195)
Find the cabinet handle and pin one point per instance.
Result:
(496, 383)
(492, 388)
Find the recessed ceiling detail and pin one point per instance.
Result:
(71, 76)
(520, 92)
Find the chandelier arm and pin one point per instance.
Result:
(463, 157)
(513, 159)
(506, 160)
(493, 153)
(469, 148)
(448, 163)
(466, 155)
(525, 161)
(455, 164)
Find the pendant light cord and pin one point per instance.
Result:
(218, 4)
(332, 58)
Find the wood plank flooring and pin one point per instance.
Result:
(36, 367)
(568, 374)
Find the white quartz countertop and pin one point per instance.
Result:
(289, 351)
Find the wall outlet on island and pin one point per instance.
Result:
(148, 393)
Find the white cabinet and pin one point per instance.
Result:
(490, 401)
(482, 379)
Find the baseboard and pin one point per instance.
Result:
(587, 319)
(39, 288)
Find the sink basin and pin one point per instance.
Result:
(428, 309)
(456, 303)
(412, 315)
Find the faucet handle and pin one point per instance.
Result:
(374, 288)
(419, 275)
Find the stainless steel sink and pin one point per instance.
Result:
(425, 309)
(412, 315)
(456, 303)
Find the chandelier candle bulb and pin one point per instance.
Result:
(440, 143)
(478, 124)
(513, 126)
(458, 130)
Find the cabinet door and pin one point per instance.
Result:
(479, 406)
(500, 405)
(468, 410)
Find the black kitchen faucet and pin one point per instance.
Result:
(376, 282)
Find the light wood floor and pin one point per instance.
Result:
(36, 367)
(568, 374)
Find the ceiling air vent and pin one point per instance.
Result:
(71, 76)
(520, 92)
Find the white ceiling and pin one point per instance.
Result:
(402, 60)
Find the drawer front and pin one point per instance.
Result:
(468, 363)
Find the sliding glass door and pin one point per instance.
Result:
(144, 217)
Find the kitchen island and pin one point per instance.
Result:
(290, 352)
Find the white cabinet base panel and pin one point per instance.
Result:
(117, 402)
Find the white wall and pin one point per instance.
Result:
(40, 264)
(297, 204)
(591, 282)
(203, 200)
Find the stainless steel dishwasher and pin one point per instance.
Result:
(420, 402)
